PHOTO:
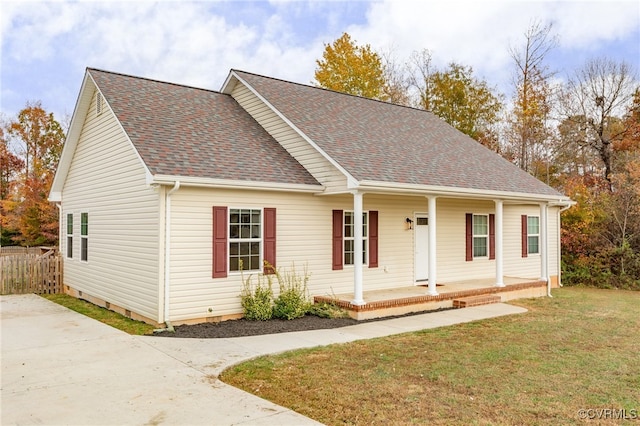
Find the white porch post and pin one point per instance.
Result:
(432, 247)
(499, 252)
(358, 298)
(544, 261)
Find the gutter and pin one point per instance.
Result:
(453, 192)
(167, 254)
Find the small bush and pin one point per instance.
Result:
(257, 302)
(292, 301)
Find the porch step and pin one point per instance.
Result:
(484, 299)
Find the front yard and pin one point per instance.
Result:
(573, 356)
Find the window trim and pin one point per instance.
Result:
(365, 238)
(69, 241)
(84, 237)
(231, 240)
(485, 236)
(530, 235)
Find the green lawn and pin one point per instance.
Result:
(106, 316)
(579, 350)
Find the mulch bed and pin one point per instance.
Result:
(243, 327)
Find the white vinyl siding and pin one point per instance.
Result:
(123, 264)
(319, 167)
(514, 264)
(304, 240)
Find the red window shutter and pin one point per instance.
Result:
(492, 236)
(469, 237)
(373, 239)
(219, 242)
(337, 240)
(525, 248)
(269, 239)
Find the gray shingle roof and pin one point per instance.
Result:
(184, 131)
(379, 141)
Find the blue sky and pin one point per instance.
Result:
(46, 46)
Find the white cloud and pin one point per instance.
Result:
(479, 33)
(47, 45)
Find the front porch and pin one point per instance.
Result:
(404, 300)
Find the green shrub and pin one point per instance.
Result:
(257, 302)
(292, 301)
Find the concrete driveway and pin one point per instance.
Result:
(60, 367)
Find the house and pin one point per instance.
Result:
(164, 189)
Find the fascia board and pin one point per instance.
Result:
(428, 190)
(73, 135)
(233, 184)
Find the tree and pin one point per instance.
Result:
(26, 209)
(420, 69)
(10, 167)
(601, 234)
(595, 99)
(396, 88)
(528, 124)
(349, 68)
(462, 100)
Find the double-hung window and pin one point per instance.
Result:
(84, 236)
(533, 234)
(349, 237)
(480, 235)
(69, 235)
(245, 239)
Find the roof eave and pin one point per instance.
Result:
(234, 184)
(453, 192)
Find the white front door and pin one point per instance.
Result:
(421, 230)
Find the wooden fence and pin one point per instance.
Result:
(31, 273)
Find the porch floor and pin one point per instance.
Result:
(403, 300)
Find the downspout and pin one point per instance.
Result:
(59, 206)
(544, 243)
(167, 254)
(559, 244)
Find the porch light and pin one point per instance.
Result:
(409, 223)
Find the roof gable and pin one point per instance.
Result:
(381, 142)
(188, 132)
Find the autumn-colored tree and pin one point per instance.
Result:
(10, 167)
(464, 101)
(396, 88)
(595, 99)
(39, 138)
(629, 141)
(349, 68)
(528, 130)
(601, 233)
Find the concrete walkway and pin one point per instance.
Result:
(60, 367)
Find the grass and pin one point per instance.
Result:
(106, 316)
(577, 350)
